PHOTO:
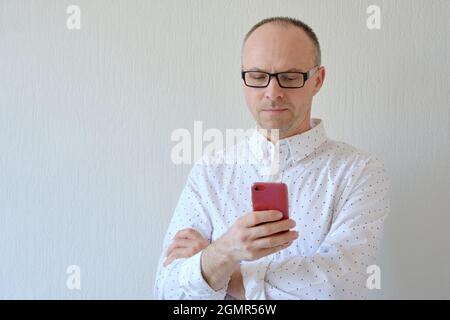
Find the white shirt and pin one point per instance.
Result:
(338, 197)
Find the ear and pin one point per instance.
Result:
(319, 79)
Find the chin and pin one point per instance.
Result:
(273, 124)
(276, 124)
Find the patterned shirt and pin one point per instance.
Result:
(338, 197)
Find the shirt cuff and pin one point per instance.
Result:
(253, 278)
(192, 282)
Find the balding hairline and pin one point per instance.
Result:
(289, 22)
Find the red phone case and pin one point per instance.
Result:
(270, 196)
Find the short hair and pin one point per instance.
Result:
(287, 21)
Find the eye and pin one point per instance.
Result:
(290, 76)
(257, 75)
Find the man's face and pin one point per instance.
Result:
(272, 48)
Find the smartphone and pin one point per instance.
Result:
(270, 196)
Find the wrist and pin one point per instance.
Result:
(223, 252)
(216, 266)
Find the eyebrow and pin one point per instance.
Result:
(289, 70)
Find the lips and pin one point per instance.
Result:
(274, 110)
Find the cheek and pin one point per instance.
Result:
(299, 99)
(252, 98)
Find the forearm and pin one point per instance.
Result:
(334, 272)
(183, 279)
(167, 285)
(217, 266)
(236, 285)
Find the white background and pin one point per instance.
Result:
(86, 117)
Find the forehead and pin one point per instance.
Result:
(277, 47)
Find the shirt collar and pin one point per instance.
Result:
(299, 146)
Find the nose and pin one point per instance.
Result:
(273, 90)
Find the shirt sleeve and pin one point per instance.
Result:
(338, 269)
(182, 279)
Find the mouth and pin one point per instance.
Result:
(274, 111)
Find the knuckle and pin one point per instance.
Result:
(241, 236)
(178, 256)
(171, 258)
(270, 242)
(240, 221)
(253, 219)
(175, 244)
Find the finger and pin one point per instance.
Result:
(177, 254)
(275, 240)
(270, 228)
(254, 218)
(265, 252)
(184, 243)
(172, 258)
(175, 245)
(169, 260)
(187, 233)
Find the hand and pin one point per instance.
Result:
(187, 242)
(257, 234)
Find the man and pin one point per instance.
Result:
(217, 248)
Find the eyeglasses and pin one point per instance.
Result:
(290, 80)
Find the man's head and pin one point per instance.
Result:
(278, 45)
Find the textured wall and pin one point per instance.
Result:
(86, 116)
